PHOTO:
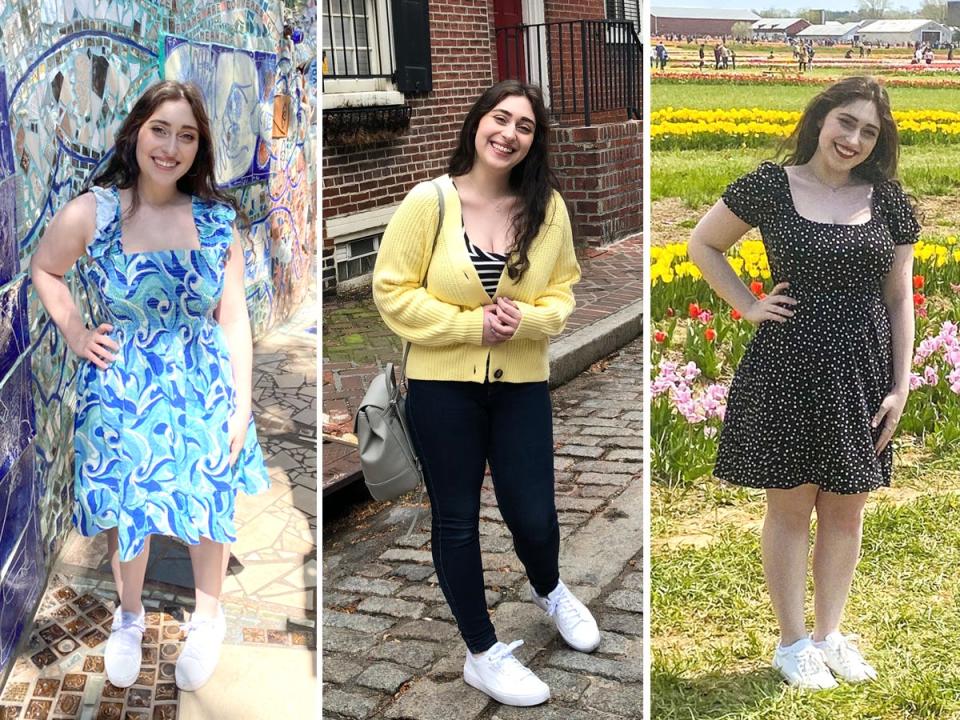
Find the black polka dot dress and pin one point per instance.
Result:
(801, 402)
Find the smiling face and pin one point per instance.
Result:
(505, 134)
(848, 135)
(167, 142)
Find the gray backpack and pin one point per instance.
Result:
(387, 457)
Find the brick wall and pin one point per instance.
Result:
(463, 48)
(357, 179)
(601, 173)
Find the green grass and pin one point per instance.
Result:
(698, 177)
(783, 97)
(713, 629)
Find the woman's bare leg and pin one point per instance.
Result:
(209, 560)
(835, 556)
(785, 543)
(128, 576)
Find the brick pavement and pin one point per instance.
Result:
(356, 343)
(390, 646)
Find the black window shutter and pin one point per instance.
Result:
(411, 36)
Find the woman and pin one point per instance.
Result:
(824, 382)
(164, 435)
(498, 285)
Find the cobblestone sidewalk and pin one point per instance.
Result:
(269, 597)
(356, 343)
(390, 646)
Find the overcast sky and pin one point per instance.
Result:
(788, 4)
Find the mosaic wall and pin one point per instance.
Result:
(69, 70)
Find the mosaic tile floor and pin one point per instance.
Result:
(269, 596)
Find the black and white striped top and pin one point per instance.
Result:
(489, 265)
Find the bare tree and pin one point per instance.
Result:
(874, 9)
(934, 10)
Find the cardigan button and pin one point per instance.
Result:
(498, 374)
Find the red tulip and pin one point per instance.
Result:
(917, 282)
(693, 310)
(919, 300)
(671, 312)
(734, 314)
(660, 336)
(756, 287)
(710, 334)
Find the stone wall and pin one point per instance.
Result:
(69, 71)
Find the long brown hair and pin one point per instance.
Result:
(802, 144)
(531, 179)
(123, 171)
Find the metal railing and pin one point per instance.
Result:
(357, 39)
(583, 66)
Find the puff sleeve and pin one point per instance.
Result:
(755, 197)
(898, 213)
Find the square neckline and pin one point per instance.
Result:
(119, 218)
(793, 205)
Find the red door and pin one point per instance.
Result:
(510, 43)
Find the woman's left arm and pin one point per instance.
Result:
(548, 314)
(898, 298)
(231, 314)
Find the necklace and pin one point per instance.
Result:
(832, 188)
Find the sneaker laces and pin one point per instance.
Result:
(502, 658)
(810, 661)
(198, 624)
(128, 621)
(847, 651)
(561, 605)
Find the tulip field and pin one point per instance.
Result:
(712, 627)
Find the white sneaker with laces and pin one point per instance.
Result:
(504, 678)
(122, 656)
(803, 666)
(844, 658)
(201, 651)
(573, 619)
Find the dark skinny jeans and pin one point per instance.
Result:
(457, 428)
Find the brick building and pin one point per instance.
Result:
(778, 29)
(699, 22)
(396, 89)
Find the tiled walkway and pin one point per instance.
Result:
(267, 668)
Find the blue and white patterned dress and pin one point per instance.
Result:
(151, 438)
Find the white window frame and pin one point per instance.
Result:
(341, 92)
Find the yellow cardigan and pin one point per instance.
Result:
(444, 321)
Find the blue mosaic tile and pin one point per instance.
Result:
(14, 338)
(6, 144)
(9, 255)
(232, 83)
(21, 554)
(17, 424)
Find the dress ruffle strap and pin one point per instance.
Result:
(107, 235)
(215, 224)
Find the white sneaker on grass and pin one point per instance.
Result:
(123, 654)
(201, 651)
(802, 665)
(504, 678)
(573, 619)
(844, 658)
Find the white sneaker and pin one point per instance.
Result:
(572, 617)
(201, 651)
(803, 666)
(844, 658)
(122, 655)
(504, 678)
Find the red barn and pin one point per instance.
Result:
(697, 21)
